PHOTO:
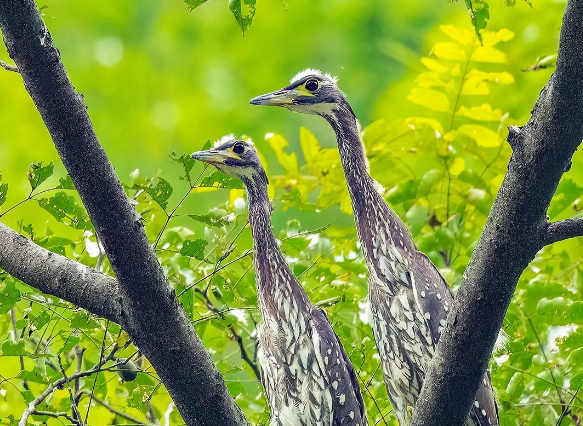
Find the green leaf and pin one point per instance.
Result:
(13, 349)
(244, 11)
(160, 192)
(235, 388)
(417, 217)
(221, 180)
(3, 191)
(35, 376)
(65, 209)
(567, 192)
(479, 12)
(55, 244)
(193, 4)
(83, 320)
(194, 248)
(216, 217)
(404, 191)
(37, 174)
(66, 183)
(9, 295)
(187, 163)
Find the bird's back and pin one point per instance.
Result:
(409, 301)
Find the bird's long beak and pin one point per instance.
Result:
(280, 97)
(213, 156)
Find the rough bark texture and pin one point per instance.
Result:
(152, 316)
(516, 229)
(59, 276)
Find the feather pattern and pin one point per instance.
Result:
(409, 298)
(307, 376)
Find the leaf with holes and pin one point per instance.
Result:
(37, 174)
(66, 183)
(221, 180)
(65, 209)
(216, 217)
(194, 248)
(479, 12)
(187, 163)
(244, 11)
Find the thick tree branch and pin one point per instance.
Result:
(59, 276)
(152, 317)
(516, 229)
(563, 230)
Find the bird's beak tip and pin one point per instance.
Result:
(259, 100)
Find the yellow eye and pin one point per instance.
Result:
(312, 85)
(238, 148)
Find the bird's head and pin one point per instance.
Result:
(236, 158)
(310, 92)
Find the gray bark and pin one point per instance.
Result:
(59, 276)
(516, 229)
(152, 315)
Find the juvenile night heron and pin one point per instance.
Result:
(307, 376)
(409, 299)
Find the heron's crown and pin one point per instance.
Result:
(311, 72)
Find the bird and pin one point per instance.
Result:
(409, 299)
(306, 374)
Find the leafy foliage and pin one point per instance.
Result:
(441, 165)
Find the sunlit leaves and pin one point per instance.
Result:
(483, 112)
(482, 135)
(37, 174)
(429, 98)
(279, 144)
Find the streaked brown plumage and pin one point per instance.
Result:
(307, 376)
(409, 299)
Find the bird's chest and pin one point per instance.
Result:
(295, 387)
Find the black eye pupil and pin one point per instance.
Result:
(238, 148)
(312, 85)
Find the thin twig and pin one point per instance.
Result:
(8, 67)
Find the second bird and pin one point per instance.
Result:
(307, 376)
(409, 299)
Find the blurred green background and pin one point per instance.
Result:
(159, 79)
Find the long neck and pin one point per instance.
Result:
(378, 226)
(352, 155)
(275, 281)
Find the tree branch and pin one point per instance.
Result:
(563, 230)
(59, 276)
(152, 315)
(516, 229)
